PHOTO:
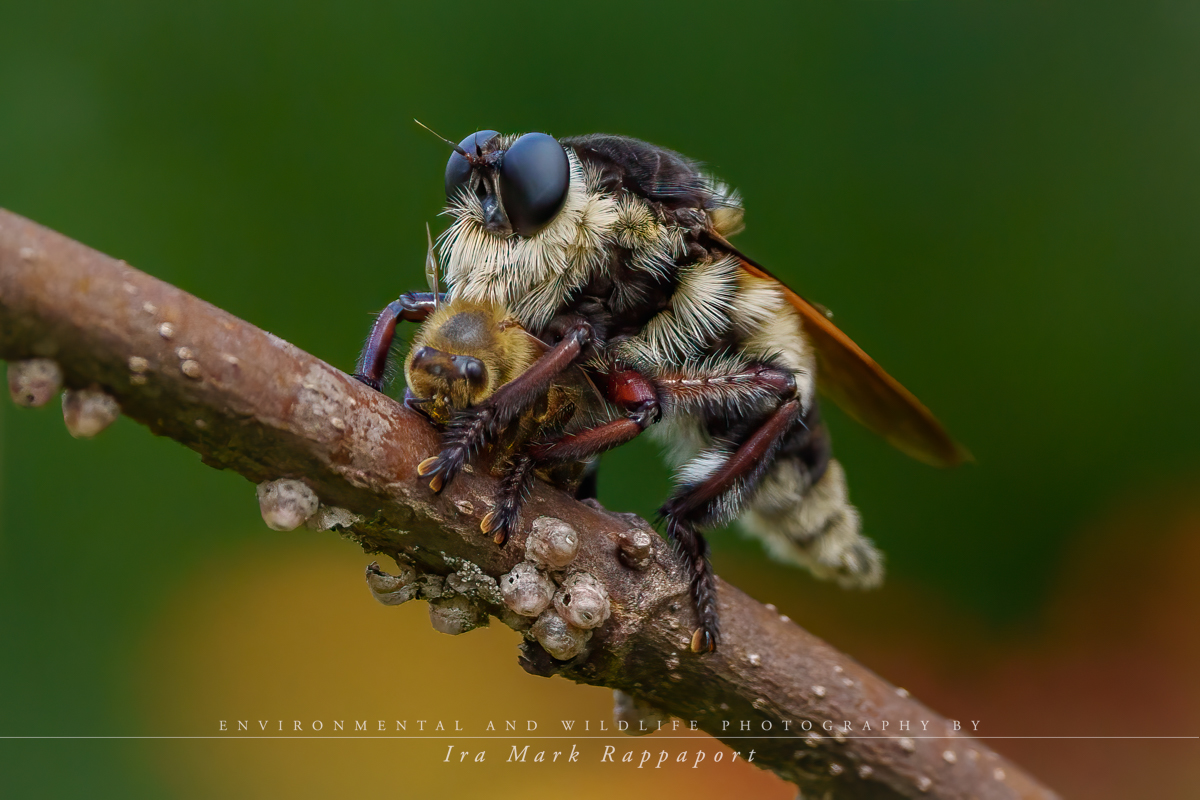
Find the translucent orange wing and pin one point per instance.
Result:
(852, 379)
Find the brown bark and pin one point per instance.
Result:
(249, 401)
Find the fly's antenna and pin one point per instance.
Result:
(457, 149)
(431, 270)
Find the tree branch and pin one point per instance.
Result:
(249, 401)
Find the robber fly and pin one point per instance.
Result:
(616, 253)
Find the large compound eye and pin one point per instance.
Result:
(458, 169)
(534, 177)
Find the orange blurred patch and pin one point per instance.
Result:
(290, 633)
(1115, 654)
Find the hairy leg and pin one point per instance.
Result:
(624, 387)
(717, 484)
(502, 520)
(373, 361)
(714, 488)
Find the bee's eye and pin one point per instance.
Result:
(534, 177)
(458, 169)
(470, 368)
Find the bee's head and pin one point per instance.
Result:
(461, 355)
(442, 382)
(520, 183)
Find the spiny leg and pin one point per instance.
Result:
(717, 496)
(502, 520)
(472, 428)
(625, 387)
(720, 480)
(373, 361)
(702, 582)
(565, 449)
(727, 389)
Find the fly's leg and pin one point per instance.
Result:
(638, 395)
(502, 520)
(373, 361)
(624, 387)
(715, 485)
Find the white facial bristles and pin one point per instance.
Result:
(286, 503)
(88, 411)
(552, 543)
(33, 382)
(583, 601)
(530, 274)
(526, 590)
(557, 637)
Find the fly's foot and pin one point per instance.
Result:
(704, 640)
(374, 384)
(442, 468)
(500, 522)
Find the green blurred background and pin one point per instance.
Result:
(999, 200)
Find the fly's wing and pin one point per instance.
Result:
(852, 379)
(431, 268)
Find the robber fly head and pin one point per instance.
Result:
(520, 183)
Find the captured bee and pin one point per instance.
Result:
(616, 253)
(459, 357)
